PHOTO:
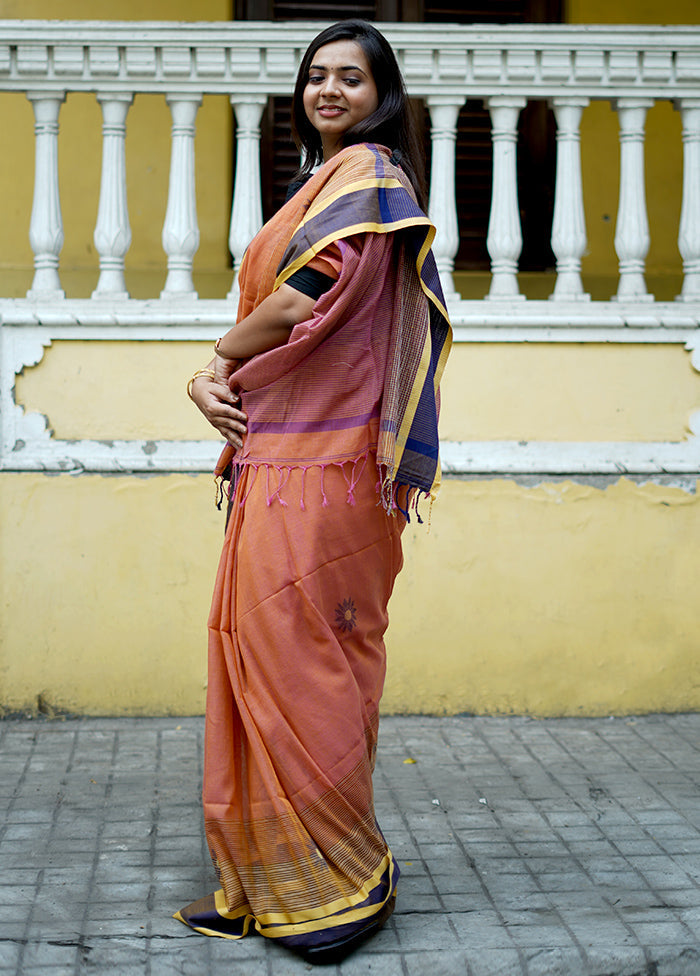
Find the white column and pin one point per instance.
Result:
(569, 223)
(112, 231)
(632, 227)
(444, 112)
(689, 229)
(504, 239)
(180, 229)
(246, 212)
(46, 225)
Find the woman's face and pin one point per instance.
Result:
(339, 93)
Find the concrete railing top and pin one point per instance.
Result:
(532, 60)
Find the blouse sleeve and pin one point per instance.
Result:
(328, 261)
(319, 274)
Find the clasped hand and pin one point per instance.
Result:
(218, 404)
(269, 325)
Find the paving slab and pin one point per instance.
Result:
(558, 847)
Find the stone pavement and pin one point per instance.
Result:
(567, 846)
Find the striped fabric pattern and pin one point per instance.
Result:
(388, 289)
(353, 202)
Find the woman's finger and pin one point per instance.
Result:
(217, 404)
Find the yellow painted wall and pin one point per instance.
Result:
(136, 391)
(557, 599)
(534, 391)
(631, 11)
(491, 391)
(560, 599)
(105, 589)
(184, 10)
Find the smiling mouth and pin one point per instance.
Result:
(330, 110)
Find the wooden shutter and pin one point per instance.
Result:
(297, 10)
(536, 146)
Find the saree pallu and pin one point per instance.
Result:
(342, 428)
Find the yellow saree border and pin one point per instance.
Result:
(322, 911)
(277, 925)
(355, 185)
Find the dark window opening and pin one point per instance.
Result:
(536, 130)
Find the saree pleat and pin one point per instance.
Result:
(292, 709)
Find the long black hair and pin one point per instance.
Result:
(392, 124)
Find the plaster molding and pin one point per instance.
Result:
(571, 458)
(693, 346)
(502, 320)
(20, 348)
(27, 444)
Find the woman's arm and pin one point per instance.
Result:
(267, 327)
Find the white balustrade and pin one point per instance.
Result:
(46, 225)
(689, 229)
(504, 66)
(444, 113)
(569, 223)
(631, 67)
(504, 240)
(632, 227)
(180, 229)
(112, 231)
(246, 210)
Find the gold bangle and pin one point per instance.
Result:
(209, 373)
(218, 352)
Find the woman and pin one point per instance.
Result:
(336, 357)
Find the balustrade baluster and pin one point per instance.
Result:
(46, 225)
(112, 231)
(504, 240)
(246, 211)
(689, 229)
(444, 113)
(180, 230)
(569, 222)
(632, 227)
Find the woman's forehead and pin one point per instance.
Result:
(341, 54)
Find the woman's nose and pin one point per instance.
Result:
(330, 85)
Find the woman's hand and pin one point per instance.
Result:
(218, 404)
(223, 368)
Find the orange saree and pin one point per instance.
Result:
(342, 440)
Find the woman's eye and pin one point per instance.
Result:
(315, 79)
(352, 81)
